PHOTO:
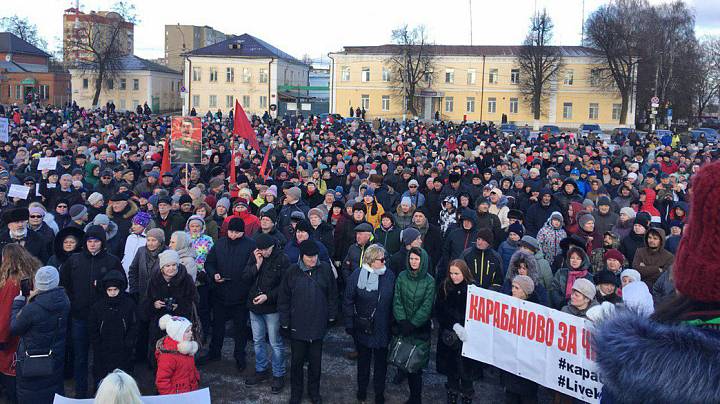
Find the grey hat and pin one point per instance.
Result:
(525, 283)
(224, 202)
(94, 198)
(409, 235)
(78, 211)
(101, 219)
(413, 182)
(168, 257)
(297, 215)
(295, 193)
(157, 234)
(585, 288)
(519, 178)
(531, 242)
(47, 278)
(364, 227)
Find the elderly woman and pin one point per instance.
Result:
(180, 242)
(581, 299)
(66, 243)
(367, 306)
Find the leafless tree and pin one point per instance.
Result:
(539, 63)
(24, 29)
(412, 62)
(707, 88)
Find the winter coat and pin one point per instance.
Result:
(376, 304)
(34, 243)
(630, 244)
(180, 287)
(353, 259)
(287, 210)
(292, 250)
(432, 244)
(534, 272)
(132, 244)
(557, 292)
(373, 213)
(265, 280)
(144, 266)
(506, 250)
(59, 255)
(251, 222)
(324, 234)
(491, 222)
(450, 310)
(388, 238)
(82, 273)
(229, 258)
(187, 259)
(403, 220)
(308, 301)
(604, 223)
(485, 266)
(41, 324)
(549, 239)
(172, 223)
(651, 263)
(538, 214)
(123, 220)
(176, 371)
(570, 309)
(8, 342)
(458, 240)
(621, 229)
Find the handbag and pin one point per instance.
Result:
(450, 339)
(39, 364)
(408, 356)
(366, 325)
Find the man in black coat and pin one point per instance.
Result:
(431, 237)
(226, 266)
(458, 240)
(307, 304)
(539, 212)
(485, 264)
(81, 276)
(16, 231)
(489, 220)
(167, 220)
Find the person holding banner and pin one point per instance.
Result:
(578, 266)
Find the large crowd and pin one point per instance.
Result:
(377, 227)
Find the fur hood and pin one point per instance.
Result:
(130, 210)
(643, 361)
(169, 345)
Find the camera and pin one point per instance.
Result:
(169, 302)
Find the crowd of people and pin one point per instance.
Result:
(378, 227)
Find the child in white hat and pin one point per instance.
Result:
(175, 354)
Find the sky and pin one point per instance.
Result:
(317, 27)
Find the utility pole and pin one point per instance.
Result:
(582, 25)
(471, 18)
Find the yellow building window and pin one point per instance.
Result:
(136, 84)
(593, 111)
(449, 76)
(569, 77)
(230, 75)
(514, 105)
(449, 104)
(616, 111)
(567, 110)
(385, 74)
(515, 76)
(212, 101)
(493, 77)
(246, 101)
(470, 104)
(196, 74)
(213, 74)
(365, 75)
(345, 73)
(471, 76)
(246, 75)
(386, 103)
(492, 105)
(365, 102)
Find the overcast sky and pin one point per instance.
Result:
(318, 27)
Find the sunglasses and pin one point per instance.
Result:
(36, 217)
(381, 259)
(62, 206)
(412, 186)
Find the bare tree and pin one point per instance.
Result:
(707, 85)
(539, 63)
(23, 29)
(616, 30)
(412, 61)
(127, 11)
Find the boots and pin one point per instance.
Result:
(452, 396)
(467, 399)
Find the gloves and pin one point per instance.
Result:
(331, 322)
(285, 332)
(350, 331)
(460, 331)
(406, 327)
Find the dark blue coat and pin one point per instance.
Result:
(361, 302)
(292, 250)
(41, 324)
(229, 258)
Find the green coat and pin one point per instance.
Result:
(414, 297)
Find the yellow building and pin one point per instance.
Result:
(242, 68)
(139, 81)
(480, 83)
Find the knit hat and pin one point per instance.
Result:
(142, 219)
(406, 201)
(614, 254)
(413, 182)
(530, 242)
(264, 241)
(585, 288)
(272, 190)
(101, 219)
(369, 192)
(224, 202)
(47, 278)
(236, 224)
(308, 248)
(525, 283)
(304, 226)
(185, 199)
(94, 198)
(632, 274)
(642, 222)
(558, 216)
(630, 212)
(358, 206)
(168, 257)
(516, 228)
(603, 201)
(297, 215)
(241, 202)
(37, 210)
(270, 214)
(157, 234)
(605, 277)
(486, 234)
(409, 235)
(588, 203)
(585, 219)
(77, 212)
(294, 193)
(696, 271)
(174, 326)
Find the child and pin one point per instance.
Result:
(113, 327)
(176, 371)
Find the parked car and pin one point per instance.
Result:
(590, 128)
(552, 129)
(625, 131)
(710, 134)
(508, 128)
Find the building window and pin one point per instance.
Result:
(135, 104)
(110, 84)
(345, 73)
(196, 101)
(263, 101)
(449, 104)
(595, 77)
(136, 84)
(493, 78)
(246, 101)
(172, 86)
(44, 92)
(263, 76)
(123, 104)
(449, 76)
(616, 110)
(365, 102)
(492, 105)
(123, 84)
(386, 103)
(471, 76)
(229, 101)
(196, 74)
(569, 77)
(385, 75)
(86, 83)
(593, 111)
(515, 76)
(229, 75)
(365, 75)
(246, 75)
(513, 105)
(213, 74)
(17, 91)
(212, 101)
(470, 105)
(567, 110)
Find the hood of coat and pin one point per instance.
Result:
(585, 260)
(658, 232)
(424, 264)
(650, 196)
(670, 363)
(130, 210)
(62, 235)
(97, 232)
(169, 345)
(111, 231)
(530, 261)
(52, 300)
(197, 218)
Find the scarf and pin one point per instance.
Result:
(572, 276)
(369, 278)
(19, 235)
(302, 265)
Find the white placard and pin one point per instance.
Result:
(47, 163)
(193, 397)
(4, 130)
(18, 191)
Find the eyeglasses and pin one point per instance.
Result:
(412, 186)
(36, 217)
(381, 259)
(62, 206)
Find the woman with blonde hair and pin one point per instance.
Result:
(118, 387)
(17, 265)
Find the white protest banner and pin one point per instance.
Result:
(193, 397)
(18, 191)
(535, 342)
(47, 163)
(4, 130)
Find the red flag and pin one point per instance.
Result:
(165, 166)
(263, 167)
(243, 128)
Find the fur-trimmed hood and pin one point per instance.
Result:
(169, 345)
(642, 361)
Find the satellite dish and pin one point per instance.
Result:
(8, 57)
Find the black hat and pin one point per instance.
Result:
(605, 276)
(264, 241)
(454, 177)
(106, 173)
(486, 234)
(308, 248)
(165, 199)
(515, 214)
(120, 196)
(114, 279)
(15, 215)
(359, 206)
(270, 214)
(185, 199)
(77, 171)
(236, 224)
(304, 225)
(167, 174)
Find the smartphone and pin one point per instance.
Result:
(25, 287)
(226, 279)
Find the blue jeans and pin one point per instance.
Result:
(269, 324)
(81, 345)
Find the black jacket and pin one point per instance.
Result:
(308, 301)
(180, 287)
(266, 280)
(172, 223)
(34, 243)
(59, 255)
(324, 234)
(485, 266)
(142, 269)
(450, 310)
(229, 258)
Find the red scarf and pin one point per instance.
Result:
(572, 276)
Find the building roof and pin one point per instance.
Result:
(11, 43)
(132, 62)
(468, 50)
(249, 47)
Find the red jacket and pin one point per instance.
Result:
(176, 371)
(252, 223)
(7, 354)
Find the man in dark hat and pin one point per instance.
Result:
(484, 263)
(166, 219)
(16, 231)
(268, 221)
(121, 211)
(106, 185)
